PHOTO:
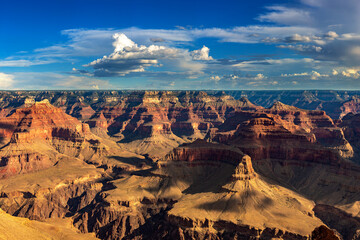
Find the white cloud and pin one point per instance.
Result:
(285, 15)
(302, 48)
(319, 14)
(201, 54)
(23, 63)
(298, 38)
(295, 74)
(331, 35)
(259, 76)
(129, 57)
(122, 41)
(6, 80)
(215, 78)
(351, 73)
(314, 75)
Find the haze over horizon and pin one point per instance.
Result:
(258, 45)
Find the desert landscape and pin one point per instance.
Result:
(178, 165)
(180, 120)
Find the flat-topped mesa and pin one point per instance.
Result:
(201, 152)
(301, 117)
(44, 121)
(37, 135)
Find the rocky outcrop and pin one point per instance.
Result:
(154, 116)
(335, 103)
(185, 195)
(324, 232)
(22, 228)
(285, 132)
(63, 200)
(201, 151)
(44, 121)
(350, 126)
(347, 225)
(118, 220)
(350, 106)
(257, 174)
(35, 136)
(18, 162)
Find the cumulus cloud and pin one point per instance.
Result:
(95, 42)
(201, 54)
(215, 78)
(129, 57)
(298, 38)
(351, 73)
(331, 35)
(259, 76)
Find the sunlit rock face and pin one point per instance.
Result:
(34, 136)
(197, 165)
(287, 133)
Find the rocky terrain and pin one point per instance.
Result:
(335, 103)
(179, 165)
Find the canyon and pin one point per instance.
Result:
(180, 164)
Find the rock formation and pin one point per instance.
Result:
(211, 166)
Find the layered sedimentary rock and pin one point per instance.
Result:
(199, 191)
(164, 120)
(259, 174)
(148, 119)
(285, 132)
(237, 196)
(335, 103)
(36, 136)
(22, 228)
(303, 149)
(350, 125)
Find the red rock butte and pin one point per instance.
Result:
(180, 164)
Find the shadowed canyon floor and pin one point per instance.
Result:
(179, 165)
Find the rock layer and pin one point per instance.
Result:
(257, 174)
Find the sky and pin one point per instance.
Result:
(176, 45)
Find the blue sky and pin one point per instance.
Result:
(93, 44)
